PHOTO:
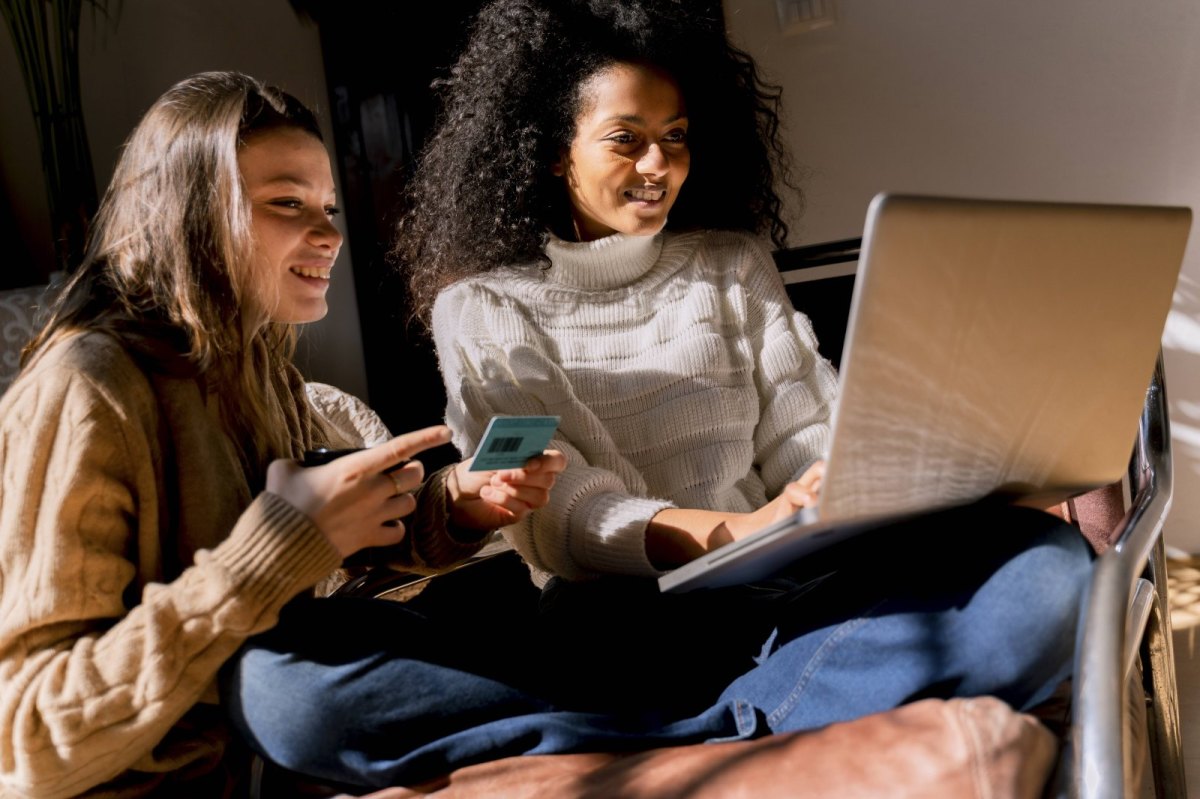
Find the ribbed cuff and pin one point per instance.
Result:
(610, 534)
(275, 552)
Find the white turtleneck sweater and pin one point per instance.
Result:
(682, 375)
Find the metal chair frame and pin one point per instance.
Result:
(1130, 583)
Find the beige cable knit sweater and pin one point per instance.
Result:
(133, 562)
(682, 374)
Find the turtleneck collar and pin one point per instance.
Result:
(604, 263)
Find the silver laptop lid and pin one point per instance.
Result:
(997, 343)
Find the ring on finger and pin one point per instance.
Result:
(396, 484)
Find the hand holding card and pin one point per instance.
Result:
(510, 441)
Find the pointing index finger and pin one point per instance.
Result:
(403, 447)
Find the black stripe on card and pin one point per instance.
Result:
(505, 445)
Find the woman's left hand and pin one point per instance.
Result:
(487, 500)
(800, 493)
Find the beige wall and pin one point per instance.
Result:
(129, 60)
(1088, 100)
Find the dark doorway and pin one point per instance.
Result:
(379, 64)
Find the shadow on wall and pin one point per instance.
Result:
(1181, 355)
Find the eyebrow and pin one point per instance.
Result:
(286, 178)
(636, 119)
(293, 180)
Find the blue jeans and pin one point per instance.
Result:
(372, 693)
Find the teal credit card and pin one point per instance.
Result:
(509, 441)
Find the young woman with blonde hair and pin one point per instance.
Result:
(153, 513)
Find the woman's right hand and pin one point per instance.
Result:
(354, 500)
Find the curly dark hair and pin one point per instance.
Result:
(483, 196)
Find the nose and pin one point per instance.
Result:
(324, 234)
(653, 164)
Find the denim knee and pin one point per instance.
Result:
(1034, 602)
(275, 703)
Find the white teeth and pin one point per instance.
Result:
(647, 194)
(312, 271)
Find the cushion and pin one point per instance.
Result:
(18, 317)
(933, 749)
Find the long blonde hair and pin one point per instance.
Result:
(169, 254)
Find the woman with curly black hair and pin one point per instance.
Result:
(579, 124)
(483, 197)
(585, 239)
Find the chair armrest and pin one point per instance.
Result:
(1105, 637)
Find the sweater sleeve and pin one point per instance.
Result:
(93, 672)
(493, 362)
(351, 421)
(797, 386)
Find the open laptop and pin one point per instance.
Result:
(993, 346)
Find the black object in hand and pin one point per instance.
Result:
(323, 455)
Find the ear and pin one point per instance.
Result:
(559, 167)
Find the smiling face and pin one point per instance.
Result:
(629, 157)
(290, 187)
